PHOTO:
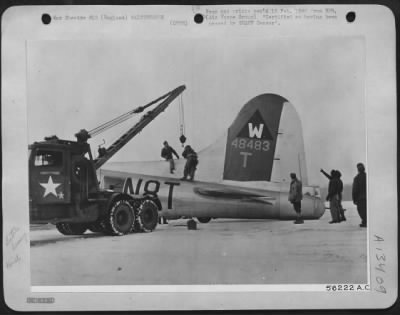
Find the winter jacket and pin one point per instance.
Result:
(335, 187)
(296, 191)
(360, 187)
(189, 153)
(167, 152)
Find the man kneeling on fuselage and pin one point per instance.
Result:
(191, 162)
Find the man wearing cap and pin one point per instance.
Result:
(295, 196)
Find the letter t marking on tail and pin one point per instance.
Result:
(245, 155)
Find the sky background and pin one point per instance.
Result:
(82, 84)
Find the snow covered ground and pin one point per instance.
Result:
(224, 251)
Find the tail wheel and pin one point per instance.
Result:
(204, 219)
(121, 217)
(148, 215)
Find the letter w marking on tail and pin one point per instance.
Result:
(254, 131)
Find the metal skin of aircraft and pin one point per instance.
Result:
(244, 174)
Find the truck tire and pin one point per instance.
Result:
(71, 228)
(77, 228)
(101, 227)
(204, 219)
(96, 227)
(63, 228)
(121, 217)
(148, 215)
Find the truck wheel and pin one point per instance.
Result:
(100, 227)
(148, 215)
(96, 227)
(204, 219)
(71, 228)
(77, 228)
(121, 217)
(63, 228)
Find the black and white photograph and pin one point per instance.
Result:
(164, 153)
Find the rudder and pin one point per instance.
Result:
(265, 142)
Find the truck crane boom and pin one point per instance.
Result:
(138, 127)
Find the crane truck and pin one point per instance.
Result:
(64, 189)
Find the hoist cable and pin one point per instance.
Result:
(182, 138)
(124, 117)
(110, 124)
(181, 116)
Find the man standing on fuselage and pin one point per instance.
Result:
(166, 153)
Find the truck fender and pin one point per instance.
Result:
(116, 196)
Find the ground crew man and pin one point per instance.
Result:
(295, 196)
(333, 197)
(191, 162)
(360, 193)
(166, 153)
(336, 174)
(341, 210)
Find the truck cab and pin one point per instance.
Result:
(61, 179)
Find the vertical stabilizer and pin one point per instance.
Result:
(265, 142)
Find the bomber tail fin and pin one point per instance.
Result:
(265, 142)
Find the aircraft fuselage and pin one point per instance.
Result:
(182, 198)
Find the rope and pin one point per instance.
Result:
(182, 138)
(110, 124)
(120, 119)
(181, 116)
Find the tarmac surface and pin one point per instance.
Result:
(224, 251)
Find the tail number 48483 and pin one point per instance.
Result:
(252, 144)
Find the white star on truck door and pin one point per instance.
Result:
(50, 187)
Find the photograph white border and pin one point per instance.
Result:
(375, 23)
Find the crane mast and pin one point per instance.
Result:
(138, 127)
